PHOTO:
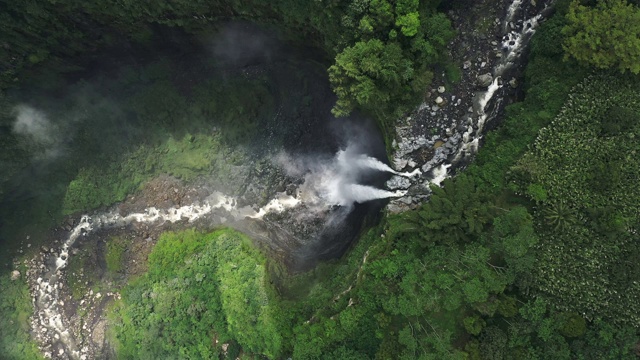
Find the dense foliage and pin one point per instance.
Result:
(605, 36)
(201, 290)
(15, 309)
(583, 174)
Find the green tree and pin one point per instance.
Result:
(456, 213)
(369, 74)
(605, 36)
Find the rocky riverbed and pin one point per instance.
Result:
(444, 132)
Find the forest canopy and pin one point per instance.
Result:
(604, 35)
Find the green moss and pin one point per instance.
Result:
(185, 158)
(82, 272)
(453, 73)
(115, 250)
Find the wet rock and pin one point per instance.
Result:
(398, 183)
(484, 80)
(15, 275)
(513, 82)
(400, 164)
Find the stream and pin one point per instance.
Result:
(325, 196)
(486, 86)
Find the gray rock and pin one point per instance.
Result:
(466, 65)
(484, 80)
(15, 275)
(399, 163)
(441, 89)
(398, 183)
(513, 82)
(396, 208)
(421, 141)
(406, 200)
(439, 100)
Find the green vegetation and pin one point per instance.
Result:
(605, 36)
(193, 155)
(387, 68)
(586, 168)
(116, 247)
(201, 291)
(15, 309)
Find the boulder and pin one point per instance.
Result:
(400, 163)
(15, 275)
(441, 89)
(484, 80)
(440, 100)
(398, 182)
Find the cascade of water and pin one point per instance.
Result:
(375, 164)
(511, 13)
(362, 161)
(363, 193)
(514, 42)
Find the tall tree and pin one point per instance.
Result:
(605, 36)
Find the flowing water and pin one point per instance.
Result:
(516, 36)
(340, 181)
(341, 189)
